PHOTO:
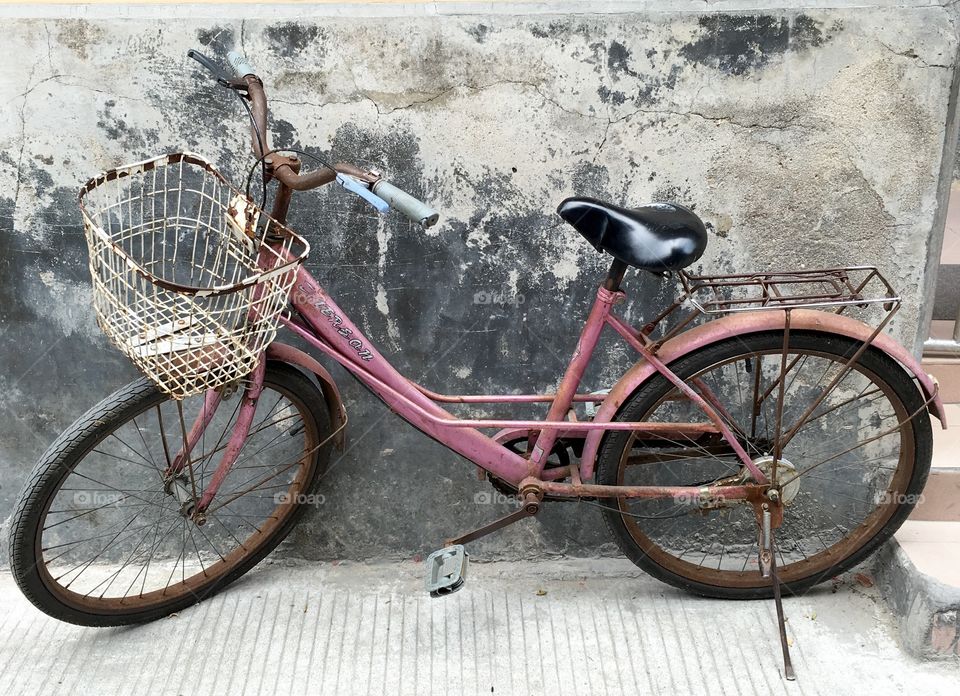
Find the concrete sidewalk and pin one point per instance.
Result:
(589, 627)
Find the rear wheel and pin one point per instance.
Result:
(100, 539)
(849, 477)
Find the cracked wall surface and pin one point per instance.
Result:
(808, 137)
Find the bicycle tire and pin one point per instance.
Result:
(92, 428)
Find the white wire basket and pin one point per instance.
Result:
(189, 276)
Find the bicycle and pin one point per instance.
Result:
(699, 456)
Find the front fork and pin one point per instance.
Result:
(241, 430)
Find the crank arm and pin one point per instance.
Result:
(529, 508)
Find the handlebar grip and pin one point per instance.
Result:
(239, 64)
(415, 210)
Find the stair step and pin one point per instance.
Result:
(934, 548)
(941, 498)
(947, 373)
(946, 443)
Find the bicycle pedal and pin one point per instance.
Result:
(446, 570)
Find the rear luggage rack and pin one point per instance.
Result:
(827, 288)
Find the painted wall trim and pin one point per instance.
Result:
(435, 8)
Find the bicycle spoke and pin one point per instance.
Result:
(258, 484)
(86, 512)
(146, 448)
(146, 461)
(112, 488)
(100, 553)
(145, 568)
(207, 456)
(113, 576)
(122, 459)
(163, 438)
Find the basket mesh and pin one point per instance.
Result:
(184, 282)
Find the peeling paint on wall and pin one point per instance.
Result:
(740, 44)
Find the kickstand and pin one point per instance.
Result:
(787, 664)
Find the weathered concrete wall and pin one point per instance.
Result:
(809, 136)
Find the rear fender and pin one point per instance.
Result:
(331, 394)
(742, 324)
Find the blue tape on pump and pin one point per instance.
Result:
(366, 194)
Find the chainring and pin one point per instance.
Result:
(559, 456)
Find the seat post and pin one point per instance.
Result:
(615, 275)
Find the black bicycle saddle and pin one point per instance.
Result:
(653, 237)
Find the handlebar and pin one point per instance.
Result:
(414, 209)
(286, 169)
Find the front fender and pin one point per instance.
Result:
(331, 394)
(742, 324)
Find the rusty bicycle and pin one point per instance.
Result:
(766, 449)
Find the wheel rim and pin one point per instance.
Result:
(163, 556)
(715, 548)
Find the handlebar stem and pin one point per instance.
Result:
(281, 202)
(285, 168)
(258, 106)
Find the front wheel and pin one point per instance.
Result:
(100, 538)
(848, 478)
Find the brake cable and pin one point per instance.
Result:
(256, 130)
(241, 89)
(262, 161)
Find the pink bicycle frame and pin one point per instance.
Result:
(326, 328)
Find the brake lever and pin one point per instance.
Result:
(222, 78)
